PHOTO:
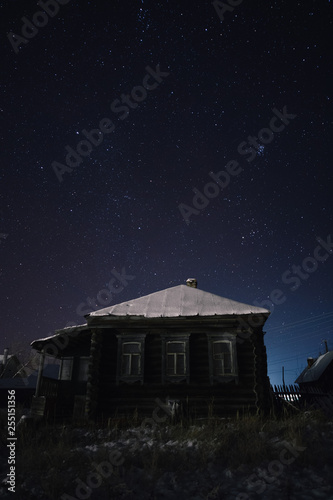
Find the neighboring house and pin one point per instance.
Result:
(14, 376)
(318, 374)
(180, 344)
(10, 366)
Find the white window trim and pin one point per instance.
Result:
(181, 338)
(130, 356)
(175, 355)
(227, 338)
(70, 369)
(83, 379)
(130, 339)
(229, 344)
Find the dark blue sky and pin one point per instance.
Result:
(121, 209)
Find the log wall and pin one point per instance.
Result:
(199, 398)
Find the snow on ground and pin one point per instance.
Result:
(146, 467)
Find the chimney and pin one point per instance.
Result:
(310, 362)
(192, 282)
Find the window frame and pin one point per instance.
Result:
(124, 339)
(175, 377)
(230, 339)
(70, 359)
(83, 371)
(131, 356)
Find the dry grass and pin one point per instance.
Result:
(52, 457)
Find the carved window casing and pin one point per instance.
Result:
(222, 357)
(175, 358)
(66, 369)
(130, 358)
(83, 369)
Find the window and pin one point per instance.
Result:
(176, 361)
(51, 367)
(131, 358)
(222, 360)
(83, 369)
(222, 357)
(66, 369)
(175, 357)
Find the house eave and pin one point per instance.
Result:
(71, 334)
(113, 321)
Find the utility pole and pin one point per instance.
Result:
(325, 343)
(283, 376)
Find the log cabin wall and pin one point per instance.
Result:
(93, 394)
(153, 359)
(180, 343)
(199, 397)
(261, 381)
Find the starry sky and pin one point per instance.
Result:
(184, 90)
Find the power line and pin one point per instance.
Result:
(312, 347)
(324, 325)
(327, 324)
(306, 329)
(306, 320)
(299, 354)
(305, 335)
(279, 371)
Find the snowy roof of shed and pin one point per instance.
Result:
(179, 301)
(2, 357)
(70, 331)
(316, 370)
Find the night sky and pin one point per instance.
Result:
(180, 94)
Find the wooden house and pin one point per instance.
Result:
(10, 366)
(181, 344)
(13, 375)
(318, 374)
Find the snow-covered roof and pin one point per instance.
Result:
(175, 302)
(69, 331)
(2, 357)
(179, 301)
(316, 370)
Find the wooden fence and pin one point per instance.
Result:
(301, 398)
